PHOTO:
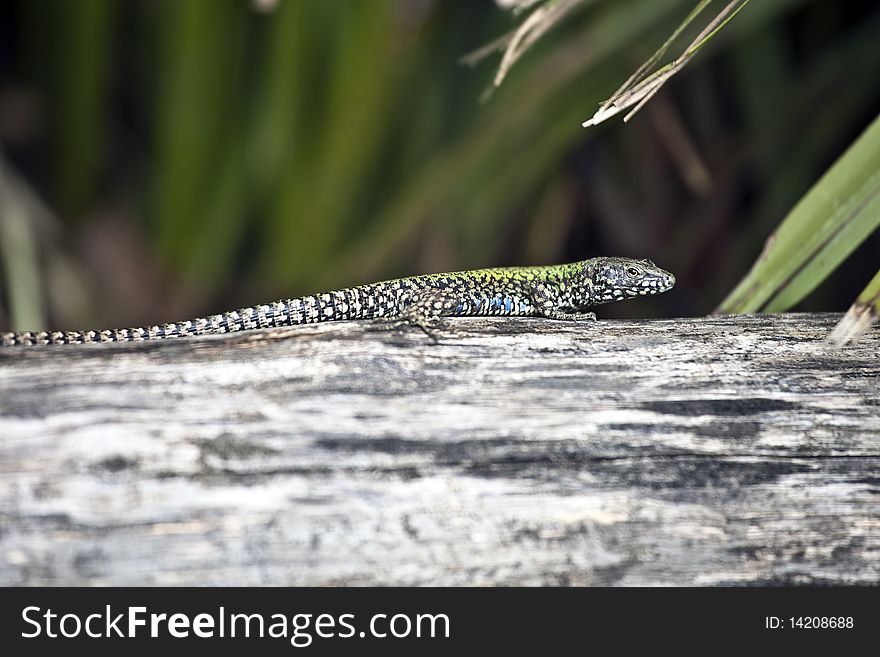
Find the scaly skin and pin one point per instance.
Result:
(557, 292)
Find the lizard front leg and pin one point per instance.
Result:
(570, 317)
(547, 301)
(424, 309)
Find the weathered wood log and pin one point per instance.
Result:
(721, 450)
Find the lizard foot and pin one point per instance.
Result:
(570, 317)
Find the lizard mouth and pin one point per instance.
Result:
(652, 285)
(648, 286)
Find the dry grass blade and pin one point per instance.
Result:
(640, 73)
(861, 316)
(532, 29)
(518, 41)
(478, 55)
(641, 87)
(516, 6)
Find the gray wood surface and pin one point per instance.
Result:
(698, 451)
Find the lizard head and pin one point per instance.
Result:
(616, 279)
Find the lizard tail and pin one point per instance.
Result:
(337, 305)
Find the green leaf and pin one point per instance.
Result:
(860, 317)
(19, 251)
(836, 215)
(199, 116)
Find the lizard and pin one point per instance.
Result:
(560, 292)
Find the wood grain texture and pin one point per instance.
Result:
(721, 450)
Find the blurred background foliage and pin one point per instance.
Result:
(169, 158)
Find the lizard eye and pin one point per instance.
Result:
(632, 272)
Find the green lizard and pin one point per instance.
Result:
(557, 292)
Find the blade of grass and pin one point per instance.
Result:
(861, 316)
(640, 88)
(83, 99)
(18, 251)
(198, 107)
(282, 67)
(315, 210)
(640, 73)
(779, 152)
(538, 23)
(826, 225)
